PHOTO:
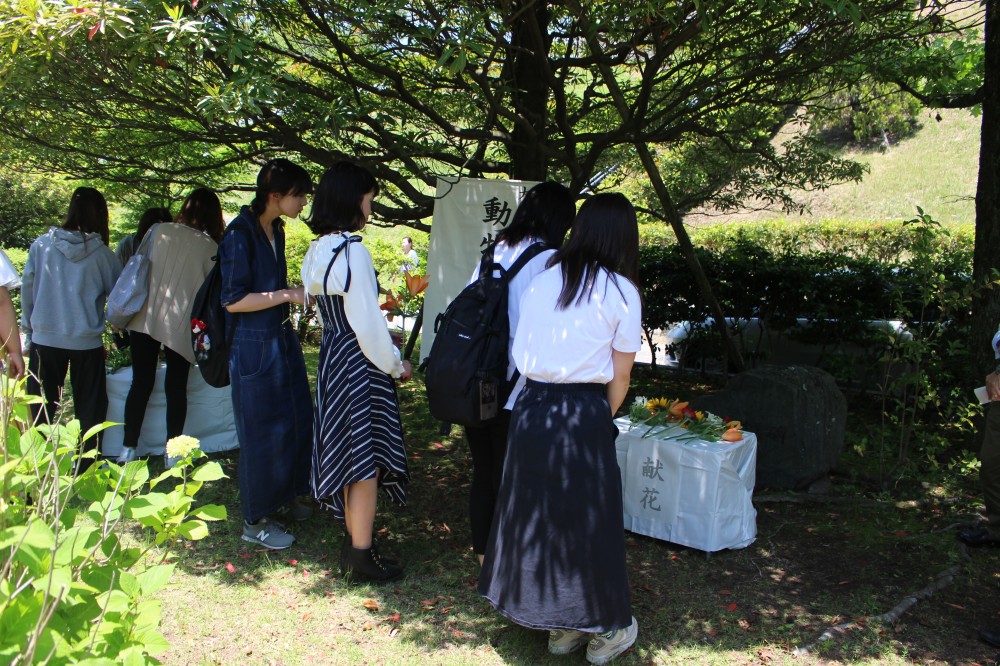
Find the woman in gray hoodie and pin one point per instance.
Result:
(69, 273)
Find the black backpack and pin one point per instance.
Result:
(466, 370)
(209, 338)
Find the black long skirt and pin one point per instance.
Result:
(556, 553)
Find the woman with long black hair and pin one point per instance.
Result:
(272, 405)
(556, 553)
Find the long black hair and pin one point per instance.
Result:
(279, 176)
(88, 212)
(337, 204)
(202, 210)
(150, 217)
(546, 212)
(605, 235)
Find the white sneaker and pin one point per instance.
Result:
(605, 647)
(564, 641)
(127, 455)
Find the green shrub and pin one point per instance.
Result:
(29, 205)
(839, 277)
(72, 590)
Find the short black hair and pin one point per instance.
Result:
(337, 204)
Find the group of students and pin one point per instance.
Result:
(545, 504)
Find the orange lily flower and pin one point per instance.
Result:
(732, 435)
(416, 283)
(390, 304)
(677, 409)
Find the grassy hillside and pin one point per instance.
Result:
(935, 169)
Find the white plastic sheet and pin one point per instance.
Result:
(209, 415)
(688, 491)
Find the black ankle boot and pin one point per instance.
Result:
(345, 548)
(365, 564)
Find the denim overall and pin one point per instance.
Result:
(272, 404)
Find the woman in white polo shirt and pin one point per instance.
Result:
(556, 553)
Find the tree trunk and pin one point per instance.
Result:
(986, 302)
(659, 187)
(530, 90)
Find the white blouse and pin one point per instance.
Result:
(8, 274)
(360, 302)
(574, 345)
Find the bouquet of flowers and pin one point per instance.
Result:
(661, 414)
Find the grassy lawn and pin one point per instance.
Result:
(814, 565)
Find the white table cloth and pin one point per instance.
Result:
(688, 491)
(209, 415)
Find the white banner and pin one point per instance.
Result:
(467, 216)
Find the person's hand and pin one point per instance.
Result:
(407, 371)
(993, 386)
(297, 295)
(15, 366)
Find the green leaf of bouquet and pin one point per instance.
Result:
(210, 471)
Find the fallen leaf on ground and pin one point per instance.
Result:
(370, 604)
(246, 556)
(731, 607)
(293, 563)
(230, 568)
(725, 591)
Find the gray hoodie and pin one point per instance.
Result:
(66, 282)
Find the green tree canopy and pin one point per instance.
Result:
(148, 95)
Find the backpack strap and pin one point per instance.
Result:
(345, 248)
(529, 253)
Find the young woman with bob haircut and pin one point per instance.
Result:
(542, 217)
(67, 278)
(180, 256)
(556, 553)
(357, 433)
(272, 405)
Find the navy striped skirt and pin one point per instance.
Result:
(356, 427)
(556, 553)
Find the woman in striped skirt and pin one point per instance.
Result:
(358, 441)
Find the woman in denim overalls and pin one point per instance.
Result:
(272, 403)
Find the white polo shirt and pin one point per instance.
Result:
(574, 345)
